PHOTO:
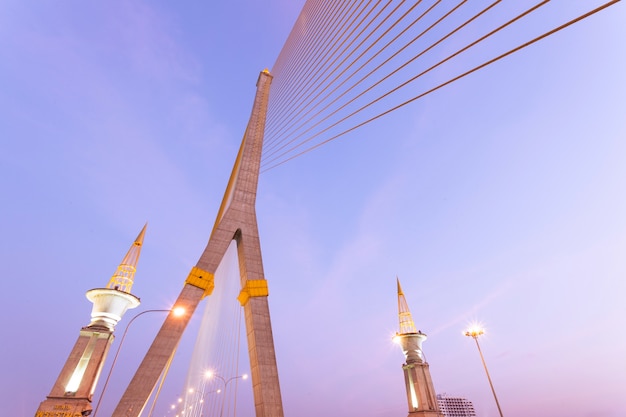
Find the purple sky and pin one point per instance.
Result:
(498, 199)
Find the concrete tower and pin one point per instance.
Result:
(236, 220)
(420, 392)
(73, 390)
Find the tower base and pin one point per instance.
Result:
(420, 391)
(425, 413)
(64, 407)
(67, 399)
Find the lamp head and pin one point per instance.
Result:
(474, 331)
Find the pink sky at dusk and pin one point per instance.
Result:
(498, 199)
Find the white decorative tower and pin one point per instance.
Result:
(419, 385)
(73, 390)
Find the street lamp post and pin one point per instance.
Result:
(204, 395)
(178, 311)
(474, 333)
(211, 374)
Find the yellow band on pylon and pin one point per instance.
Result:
(201, 279)
(253, 288)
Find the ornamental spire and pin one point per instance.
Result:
(124, 276)
(407, 325)
(110, 303)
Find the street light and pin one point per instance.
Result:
(211, 374)
(474, 332)
(177, 311)
(197, 400)
(205, 394)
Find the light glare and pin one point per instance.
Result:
(474, 330)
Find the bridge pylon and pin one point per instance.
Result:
(236, 220)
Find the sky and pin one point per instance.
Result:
(498, 199)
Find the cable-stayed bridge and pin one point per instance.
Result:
(348, 64)
(344, 65)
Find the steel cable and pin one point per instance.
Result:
(439, 86)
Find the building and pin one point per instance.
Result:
(455, 406)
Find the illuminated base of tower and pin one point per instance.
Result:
(62, 407)
(72, 392)
(425, 413)
(420, 392)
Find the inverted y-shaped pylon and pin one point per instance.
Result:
(236, 220)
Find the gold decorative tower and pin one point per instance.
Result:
(420, 392)
(73, 390)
